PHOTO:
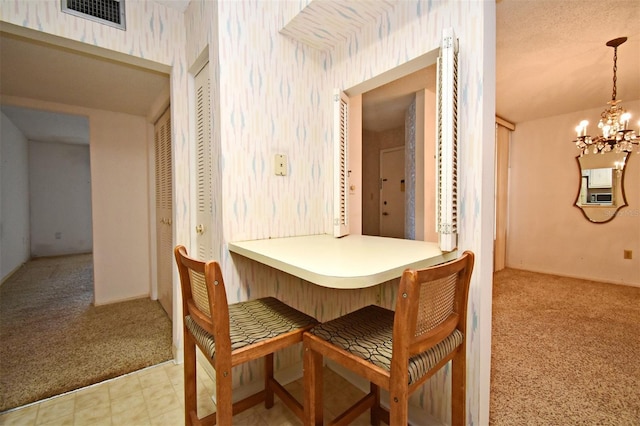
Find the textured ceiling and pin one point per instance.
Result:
(552, 58)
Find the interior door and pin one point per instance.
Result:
(392, 192)
(204, 197)
(164, 211)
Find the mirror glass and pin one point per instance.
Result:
(601, 189)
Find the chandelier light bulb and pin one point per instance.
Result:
(624, 120)
(581, 129)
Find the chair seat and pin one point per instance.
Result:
(252, 322)
(368, 334)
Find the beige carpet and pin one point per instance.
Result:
(53, 340)
(564, 351)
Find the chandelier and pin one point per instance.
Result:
(614, 122)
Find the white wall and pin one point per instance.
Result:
(119, 199)
(429, 208)
(60, 199)
(119, 188)
(547, 233)
(14, 198)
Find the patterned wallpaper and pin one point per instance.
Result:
(272, 95)
(278, 100)
(328, 23)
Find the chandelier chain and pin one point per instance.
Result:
(615, 68)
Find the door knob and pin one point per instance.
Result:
(200, 229)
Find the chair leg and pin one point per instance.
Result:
(190, 384)
(268, 375)
(224, 398)
(375, 410)
(459, 387)
(313, 383)
(399, 410)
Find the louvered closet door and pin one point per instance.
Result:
(204, 199)
(340, 164)
(447, 142)
(164, 211)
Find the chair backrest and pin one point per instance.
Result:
(431, 304)
(204, 296)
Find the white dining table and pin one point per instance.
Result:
(349, 262)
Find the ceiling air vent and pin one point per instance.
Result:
(108, 12)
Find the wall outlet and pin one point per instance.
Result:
(628, 254)
(281, 165)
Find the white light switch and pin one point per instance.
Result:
(281, 165)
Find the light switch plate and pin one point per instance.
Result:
(281, 165)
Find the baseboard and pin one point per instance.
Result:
(126, 299)
(177, 354)
(10, 274)
(578, 277)
(417, 416)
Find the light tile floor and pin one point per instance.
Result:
(154, 396)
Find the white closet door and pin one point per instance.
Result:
(503, 137)
(204, 198)
(164, 211)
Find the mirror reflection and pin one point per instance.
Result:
(601, 191)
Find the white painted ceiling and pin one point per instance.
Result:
(551, 59)
(44, 72)
(47, 126)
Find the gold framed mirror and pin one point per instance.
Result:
(601, 188)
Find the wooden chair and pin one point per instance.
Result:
(396, 351)
(230, 335)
